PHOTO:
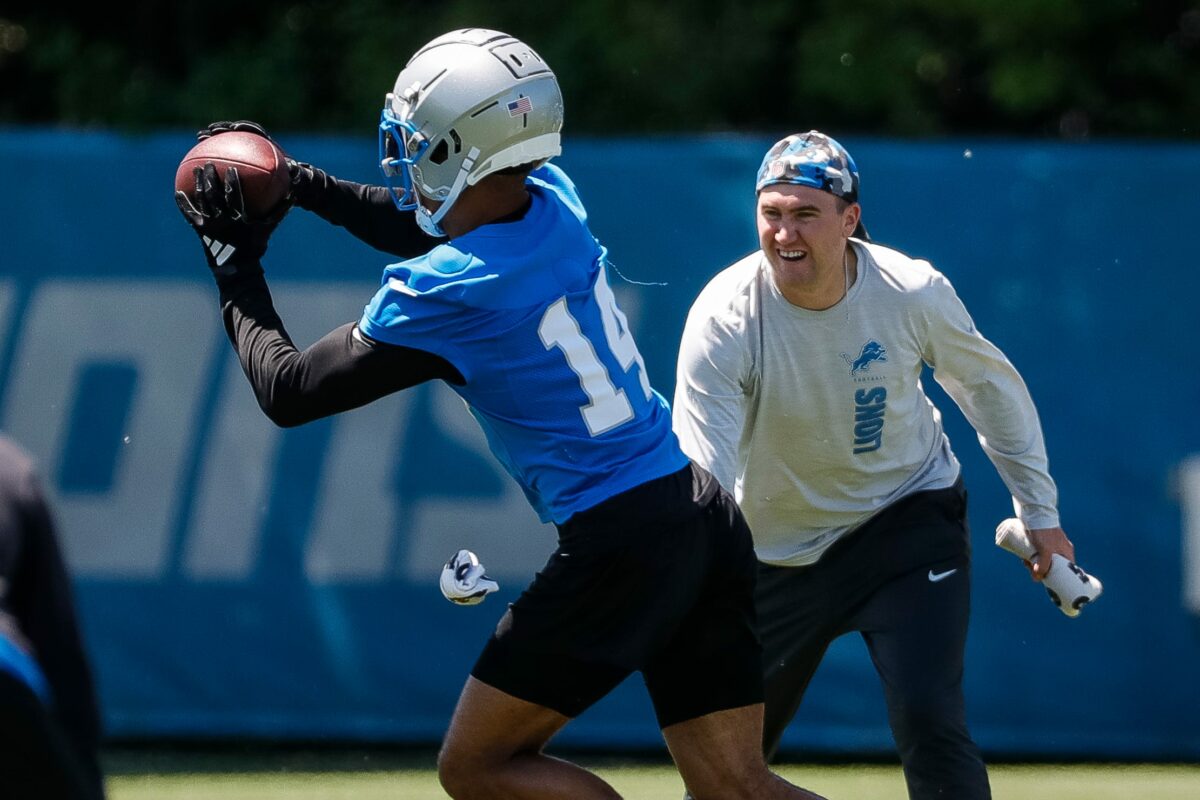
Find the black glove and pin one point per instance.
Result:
(240, 126)
(303, 175)
(217, 212)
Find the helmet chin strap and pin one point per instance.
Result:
(430, 223)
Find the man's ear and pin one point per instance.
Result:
(851, 218)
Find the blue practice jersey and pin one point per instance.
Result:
(525, 312)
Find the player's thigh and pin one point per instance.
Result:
(706, 668)
(541, 670)
(578, 630)
(489, 726)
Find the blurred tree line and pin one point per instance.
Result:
(1045, 68)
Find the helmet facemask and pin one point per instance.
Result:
(396, 139)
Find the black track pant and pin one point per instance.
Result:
(903, 582)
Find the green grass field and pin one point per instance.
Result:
(324, 776)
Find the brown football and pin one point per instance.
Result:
(261, 167)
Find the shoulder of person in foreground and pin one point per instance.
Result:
(21, 489)
(18, 488)
(14, 459)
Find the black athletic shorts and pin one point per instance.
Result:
(659, 579)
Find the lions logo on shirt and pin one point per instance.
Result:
(871, 351)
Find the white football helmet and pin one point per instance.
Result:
(468, 104)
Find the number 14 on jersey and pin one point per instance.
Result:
(607, 405)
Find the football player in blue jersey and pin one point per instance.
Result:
(654, 569)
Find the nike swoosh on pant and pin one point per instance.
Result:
(934, 577)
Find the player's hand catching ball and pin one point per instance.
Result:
(464, 581)
(303, 176)
(216, 210)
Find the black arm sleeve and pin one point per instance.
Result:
(341, 371)
(365, 211)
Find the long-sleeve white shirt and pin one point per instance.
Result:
(816, 420)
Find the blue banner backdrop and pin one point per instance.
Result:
(238, 579)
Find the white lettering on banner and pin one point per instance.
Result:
(234, 488)
(354, 517)
(165, 330)
(166, 333)
(357, 514)
(505, 533)
(234, 482)
(1189, 499)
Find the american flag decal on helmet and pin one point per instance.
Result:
(520, 106)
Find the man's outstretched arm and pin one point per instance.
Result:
(342, 370)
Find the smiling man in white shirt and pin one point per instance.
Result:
(799, 388)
